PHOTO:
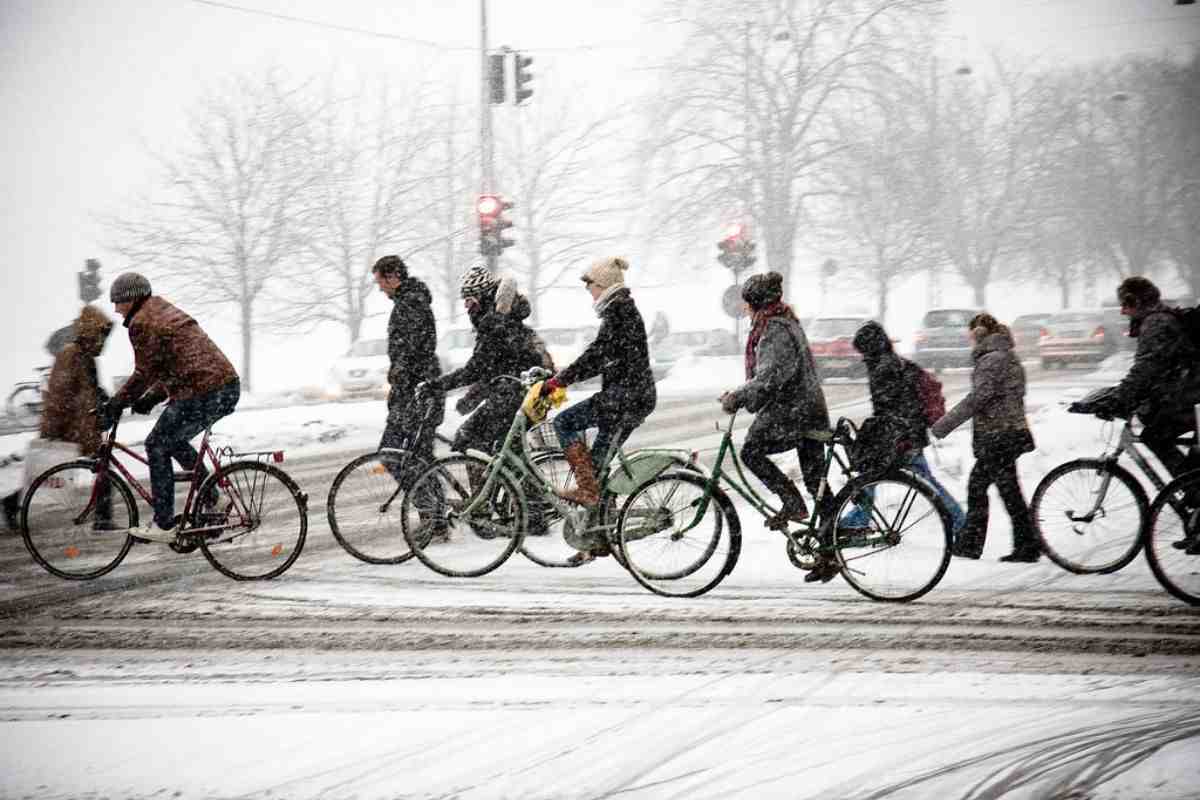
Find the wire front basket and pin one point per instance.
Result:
(543, 436)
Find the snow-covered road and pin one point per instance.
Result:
(342, 679)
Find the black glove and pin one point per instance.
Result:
(145, 404)
(107, 413)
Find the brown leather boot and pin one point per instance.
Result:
(586, 491)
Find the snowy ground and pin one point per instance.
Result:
(343, 680)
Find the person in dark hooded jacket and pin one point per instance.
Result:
(73, 392)
(412, 338)
(504, 345)
(894, 394)
(784, 391)
(1000, 435)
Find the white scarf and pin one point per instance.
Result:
(605, 298)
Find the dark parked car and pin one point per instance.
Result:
(830, 339)
(1027, 329)
(1079, 337)
(943, 340)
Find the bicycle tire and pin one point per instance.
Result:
(1172, 523)
(681, 562)
(364, 506)
(1097, 546)
(549, 548)
(25, 404)
(904, 550)
(72, 551)
(459, 548)
(262, 529)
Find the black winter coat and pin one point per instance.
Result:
(893, 384)
(412, 340)
(504, 345)
(620, 354)
(1164, 382)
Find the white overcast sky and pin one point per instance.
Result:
(87, 85)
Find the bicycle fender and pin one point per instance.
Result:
(638, 468)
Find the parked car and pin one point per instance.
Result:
(831, 341)
(943, 340)
(1027, 330)
(1078, 337)
(363, 371)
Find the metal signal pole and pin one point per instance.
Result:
(485, 105)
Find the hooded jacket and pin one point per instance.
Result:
(893, 383)
(73, 391)
(996, 402)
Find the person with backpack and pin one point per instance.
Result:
(784, 391)
(996, 407)
(1163, 385)
(911, 400)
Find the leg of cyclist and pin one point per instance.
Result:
(756, 452)
(170, 438)
(571, 426)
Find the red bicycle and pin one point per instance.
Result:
(79, 518)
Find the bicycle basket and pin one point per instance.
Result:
(543, 436)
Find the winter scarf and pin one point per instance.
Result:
(605, 298)
(758, 325)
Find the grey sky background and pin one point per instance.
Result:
(88, 87)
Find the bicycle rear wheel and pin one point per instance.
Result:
(364, 506)
(1173, 538)
(259, 522)
(25, 404)
(447, 542)
(673, 541)
(904, 550)
(65, 525)
(1089, 515)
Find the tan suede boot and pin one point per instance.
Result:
(586, 491)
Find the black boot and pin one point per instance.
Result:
(12, 504)
(969, 544)
(1026, 548)
(794, 508)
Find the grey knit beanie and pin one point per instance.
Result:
(129, 286)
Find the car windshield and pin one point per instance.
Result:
(1030, 319)
(369, 347)
(1075, 316)
(950, 318)
(835, 327)
(687, 339)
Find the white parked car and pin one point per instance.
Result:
(363, 371)
(454, 348)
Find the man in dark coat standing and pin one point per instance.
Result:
(412, 342)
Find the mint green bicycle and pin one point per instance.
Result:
(900, 553)
(466, 514)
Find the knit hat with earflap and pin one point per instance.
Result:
(607, 272)
(477, 281)
(129, 286)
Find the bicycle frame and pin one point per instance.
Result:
(1125, 444)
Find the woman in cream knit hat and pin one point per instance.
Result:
(627, 394)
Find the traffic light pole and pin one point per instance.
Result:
(486, 147)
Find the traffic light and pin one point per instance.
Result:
(496, 87)
(736, 248)
(492, 224)
(89, 281)
(521, 78)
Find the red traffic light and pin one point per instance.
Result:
(735, 231)
(489, 205)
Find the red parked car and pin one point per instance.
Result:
(830, 339)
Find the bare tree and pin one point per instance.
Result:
(561, 169)
(744, 121)
(218, 227)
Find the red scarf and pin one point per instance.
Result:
(758, 325)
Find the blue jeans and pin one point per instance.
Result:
(571, 426)
(857, 516)
(180, 421)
